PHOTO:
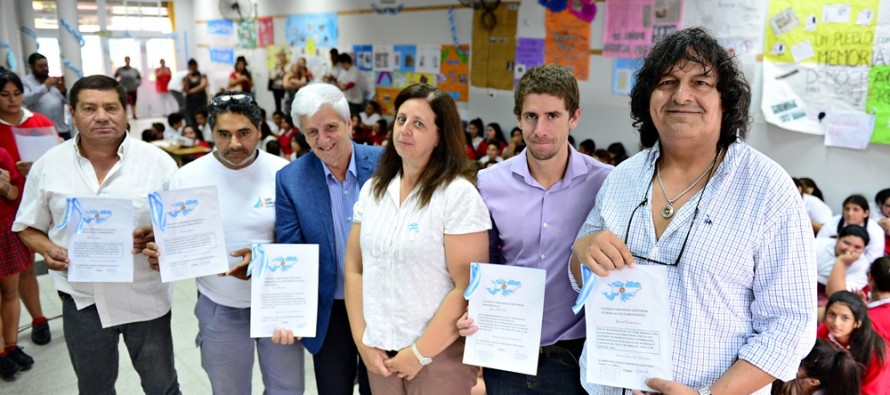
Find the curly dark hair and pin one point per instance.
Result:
(694, 45)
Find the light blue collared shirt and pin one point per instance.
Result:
(343, 197)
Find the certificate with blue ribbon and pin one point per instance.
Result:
(188, 230)
(283, 289)
(506, 303)
(100, 239)
(628, 326)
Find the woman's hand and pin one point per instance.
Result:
(375, 360)
(404, 365)
(465, 326)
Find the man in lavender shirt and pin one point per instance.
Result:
(553, 186)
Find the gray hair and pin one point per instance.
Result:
(311, 98)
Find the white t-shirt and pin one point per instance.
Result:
(369, 120)
(817, 210)
(875, 247)
(247, 202)
(405, 274)
(63, 172)
(353, 95)
(857, 272)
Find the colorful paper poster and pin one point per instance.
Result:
(455, 71)
(405, 57)
(319, 29)
(247, 34)
(363, 57)
(386, 97)
(272, 55)
(494, 47)
(383, 79)
(384, 58)
(568, 43)
(632, 26)
(623, 75)
(820, 32)
(220, 27)
(878, 103)
(529, 54)
(401, 79)
(628, 30)
(222, 56)
(428, 58)
(265, 32)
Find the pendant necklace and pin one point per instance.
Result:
(668, 210)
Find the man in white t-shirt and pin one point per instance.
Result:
(349, 82)
(245, 179)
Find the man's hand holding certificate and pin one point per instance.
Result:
(284, 289)
(188, 232)
(100, 239)
(506, 303)
(628, 327)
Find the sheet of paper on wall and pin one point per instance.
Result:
(623, 79)
(836, 13)
(848, 129)
(529, 54)
(802, 51)
(428, 58)
(568, 43)
(32, 143)
(384, 60)
(784, 22)
(728, 18)
(780, 104)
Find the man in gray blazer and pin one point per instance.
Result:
(314, 199)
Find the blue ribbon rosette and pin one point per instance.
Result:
(72, 205)
(589, 280)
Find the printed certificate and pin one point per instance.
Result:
(34, 142)
(189, 233)
(100, 239)
(629, 328)
(284, 289)
(507, 304)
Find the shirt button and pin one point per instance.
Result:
(542, 256)
(545, 224)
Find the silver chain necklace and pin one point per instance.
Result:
(668, 210)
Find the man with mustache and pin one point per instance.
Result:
(245, 180)
(314, 199)
(725, 220)
(552, 183)
(103, 161)
(46, 95)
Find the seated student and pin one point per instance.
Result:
(603, 155)
(493, 136)
(856, 212)
(516, 144)
(817, 210)
(587, 147)
(273, 148)
(370, 116)
(879, 305)
(159, 129)
(491, 156)
(882, 216)
(826, 370)
(378, 133)
(841, 260)
(148, 135)
(810, 188)
(175, 122)
(848, 326)
(286, 133)
(299, 147)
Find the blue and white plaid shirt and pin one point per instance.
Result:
(745, 287)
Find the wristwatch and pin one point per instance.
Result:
(420, 358)
(705, 391)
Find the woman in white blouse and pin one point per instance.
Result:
(418, 224)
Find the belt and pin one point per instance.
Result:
(571, 347)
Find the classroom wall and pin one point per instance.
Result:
(605, 118)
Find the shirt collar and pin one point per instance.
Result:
(730, 160)
(349, 170)
(121, 149)
(25, 115)
(878, 303)
(575, 168)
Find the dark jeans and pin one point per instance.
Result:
(94, 351)
(338, 361)
(558, 373)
